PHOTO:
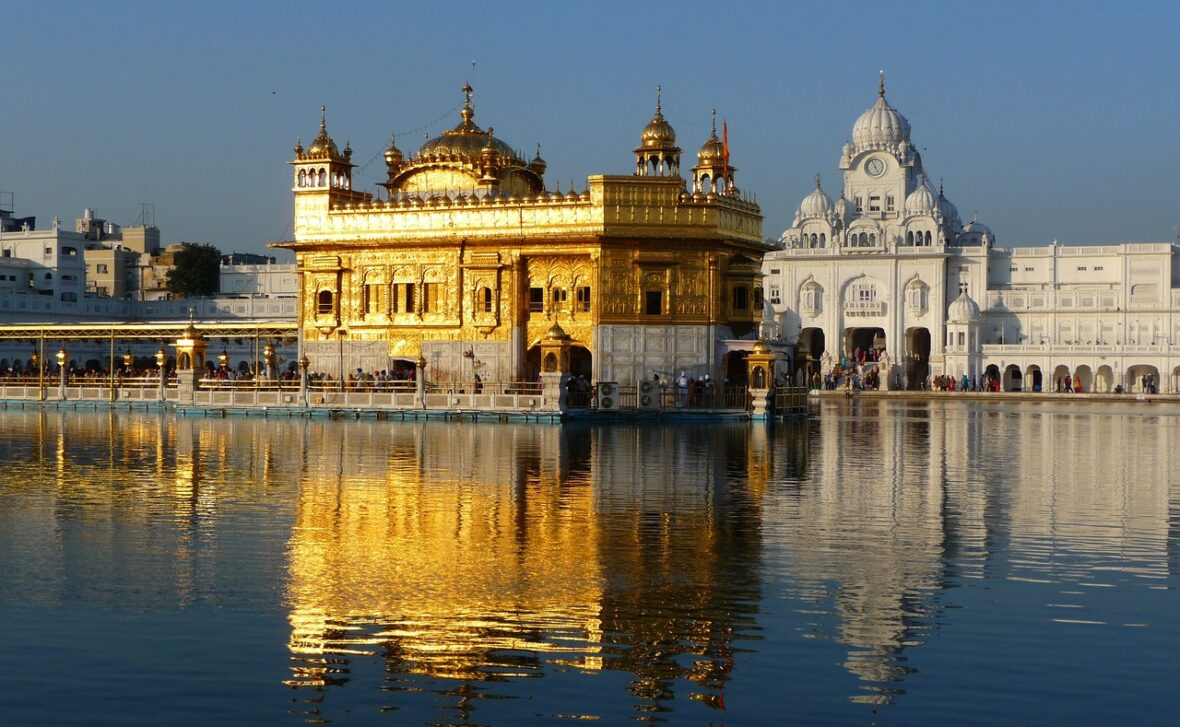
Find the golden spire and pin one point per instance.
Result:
(881, 85)
(658, 90)
(323, 119)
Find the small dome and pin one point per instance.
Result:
(881, 124)
(977, 228)
(712, 152)
(393, 155)
(921, 201)
(658, 134)
(538, 164)
(761, 346)
(557, 333)
(950, 212)
(963, 308)
(322, 145)
(816, 204)
(844, 209)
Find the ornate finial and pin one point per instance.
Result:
(658, 93)
(714, 123)
(940, 186)
(538, 150)
(881, 85)
(323, 118)
(818, 180)
(192, 312)
(468, 92)
(299, 145)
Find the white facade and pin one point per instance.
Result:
(889, 267)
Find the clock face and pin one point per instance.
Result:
(875, 167)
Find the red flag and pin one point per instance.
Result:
(725, 144)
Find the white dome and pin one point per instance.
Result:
(962, 309)
(816, 204)
(950, 212)
(844, 209)
(881, 125)
(977, 227)
(921, 201)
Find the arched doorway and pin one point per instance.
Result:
(917, 363)
(1104, 379)
(1085, 377)
(1142, 379)
(581, 362)
(1033, 379)
(991, 377)
(809, 352)
(532, 364)
(1013, 379)
(735, 368)
(1059, 375)
(1175, 380)
(863, 344)
(404, 369)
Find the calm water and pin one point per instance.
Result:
(885, 563)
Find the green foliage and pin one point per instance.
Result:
(195, 271)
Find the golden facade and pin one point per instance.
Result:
(467, 260)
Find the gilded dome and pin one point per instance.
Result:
(466, 141)
(658, 134)
(323, 146)
(881, 124)
(816, 204)
(921, 201)
(712, 152)
(557, 333)
(761, 346)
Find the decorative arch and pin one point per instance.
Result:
(811, 297)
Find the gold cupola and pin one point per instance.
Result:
(322, 167)
(657, 154)
(712, 172)
(462, 159)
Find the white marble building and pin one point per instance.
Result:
(890, 267)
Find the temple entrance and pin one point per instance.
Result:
(865, 344)
(1013, 379)
(917, 364)
(1059, 374)
(581, 362)
(991, 378)
(1033, 379)
(1104, 380)
(1143, 379)
(808, 354)
(532, 365)
(735, 368)
(1084, 379)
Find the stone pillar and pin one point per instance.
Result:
(304, 364)
(553, 391)
(62, 360)
(161, 365)
(420, 383)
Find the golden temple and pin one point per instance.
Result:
(465, 261)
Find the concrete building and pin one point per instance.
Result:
(888, 273)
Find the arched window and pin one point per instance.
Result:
(324, 303)
(864, 240)
(487, 300)
(323, 181)
(814, 240)
(873, 240)
(757, 298)
(740, 297)
(927, 237)
(302, 178)
(909, 238)
(823, 239)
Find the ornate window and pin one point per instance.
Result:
(810, 299)
(584, 298)
(917, 296)
(325, 303)
(536, 300)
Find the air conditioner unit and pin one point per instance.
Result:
(608, 396)
(647, 395)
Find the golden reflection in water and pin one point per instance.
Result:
(479, 553)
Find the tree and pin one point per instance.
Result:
(196, 271)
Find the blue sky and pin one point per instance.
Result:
(1051, 120)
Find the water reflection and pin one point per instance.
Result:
(445, 569)
(487, 553)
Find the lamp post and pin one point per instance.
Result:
(161, 359)
(420, 381)
(62, 358)
(304, 364)
(268, 356)
(128, 360)
(223, 359)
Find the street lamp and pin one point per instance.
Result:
(304, 365)
(128, 359)
(223, 358)
(161, 359)
(62, 357)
